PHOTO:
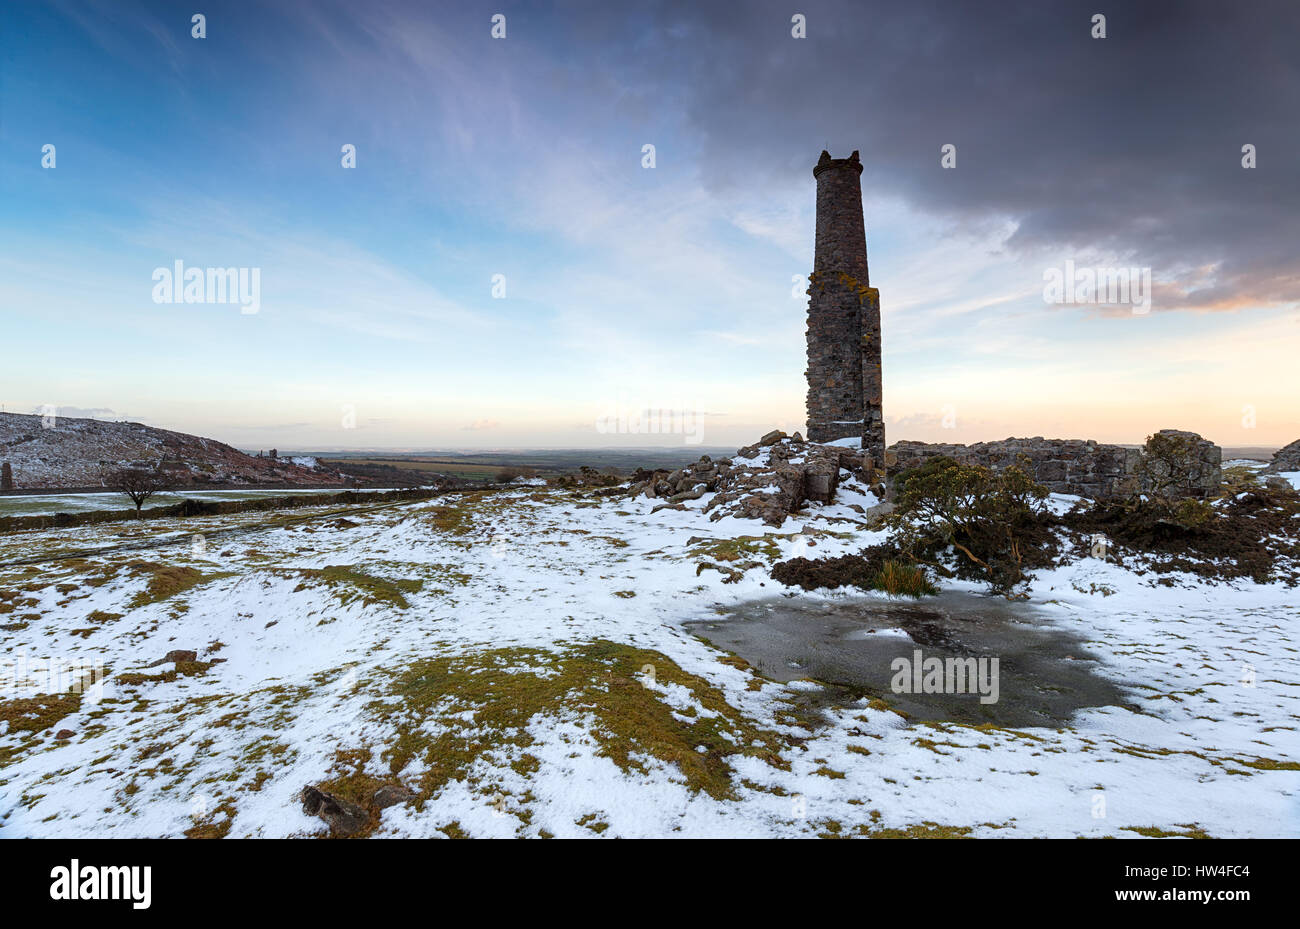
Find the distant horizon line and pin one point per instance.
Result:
(480, 449)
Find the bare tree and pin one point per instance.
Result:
(138, 484)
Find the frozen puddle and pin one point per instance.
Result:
(1045, 673)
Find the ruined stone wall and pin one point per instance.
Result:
(844, 383)
(1075, 466)
(1064, 466)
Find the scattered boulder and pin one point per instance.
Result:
(176, 655)
(391, 795)
(822, 476)
(343, 817)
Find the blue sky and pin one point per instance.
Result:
(625, 288)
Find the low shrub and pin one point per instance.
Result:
(875, 568)
(995, 521)
(1254, 534)
(512, 472)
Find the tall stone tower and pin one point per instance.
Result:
(843, 316)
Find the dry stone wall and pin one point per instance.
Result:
(1065, 466)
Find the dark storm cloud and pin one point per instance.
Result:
(1129, 144)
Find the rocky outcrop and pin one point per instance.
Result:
(346, 818)
(177, 655)
(343, 817)
(1287, 459)
(767, 481)
(1180, 464)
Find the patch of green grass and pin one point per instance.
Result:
(451, 519)
(741, 548)
(484, 703)
(925, 830)
(1190, 831)
(215, 825)
(166, 581)
(1269, 764)
(29, 716)
(349, 584)
(36, 714)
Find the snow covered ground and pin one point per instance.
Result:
(44, 504)
(519, 662)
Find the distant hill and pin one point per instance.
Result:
(83, 452)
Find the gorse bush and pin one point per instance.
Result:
(992, 520)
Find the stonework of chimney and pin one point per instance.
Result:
(844, 388)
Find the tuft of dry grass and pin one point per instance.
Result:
(904, 580)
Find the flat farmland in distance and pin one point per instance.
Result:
(484, 466)
(467, 470)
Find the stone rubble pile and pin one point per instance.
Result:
(766, 481)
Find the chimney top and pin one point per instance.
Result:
(825, 162)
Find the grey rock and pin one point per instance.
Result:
(391, 795)
(343, 817)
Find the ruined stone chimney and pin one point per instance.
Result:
(843, 316)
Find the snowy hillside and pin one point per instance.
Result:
(68, 452)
